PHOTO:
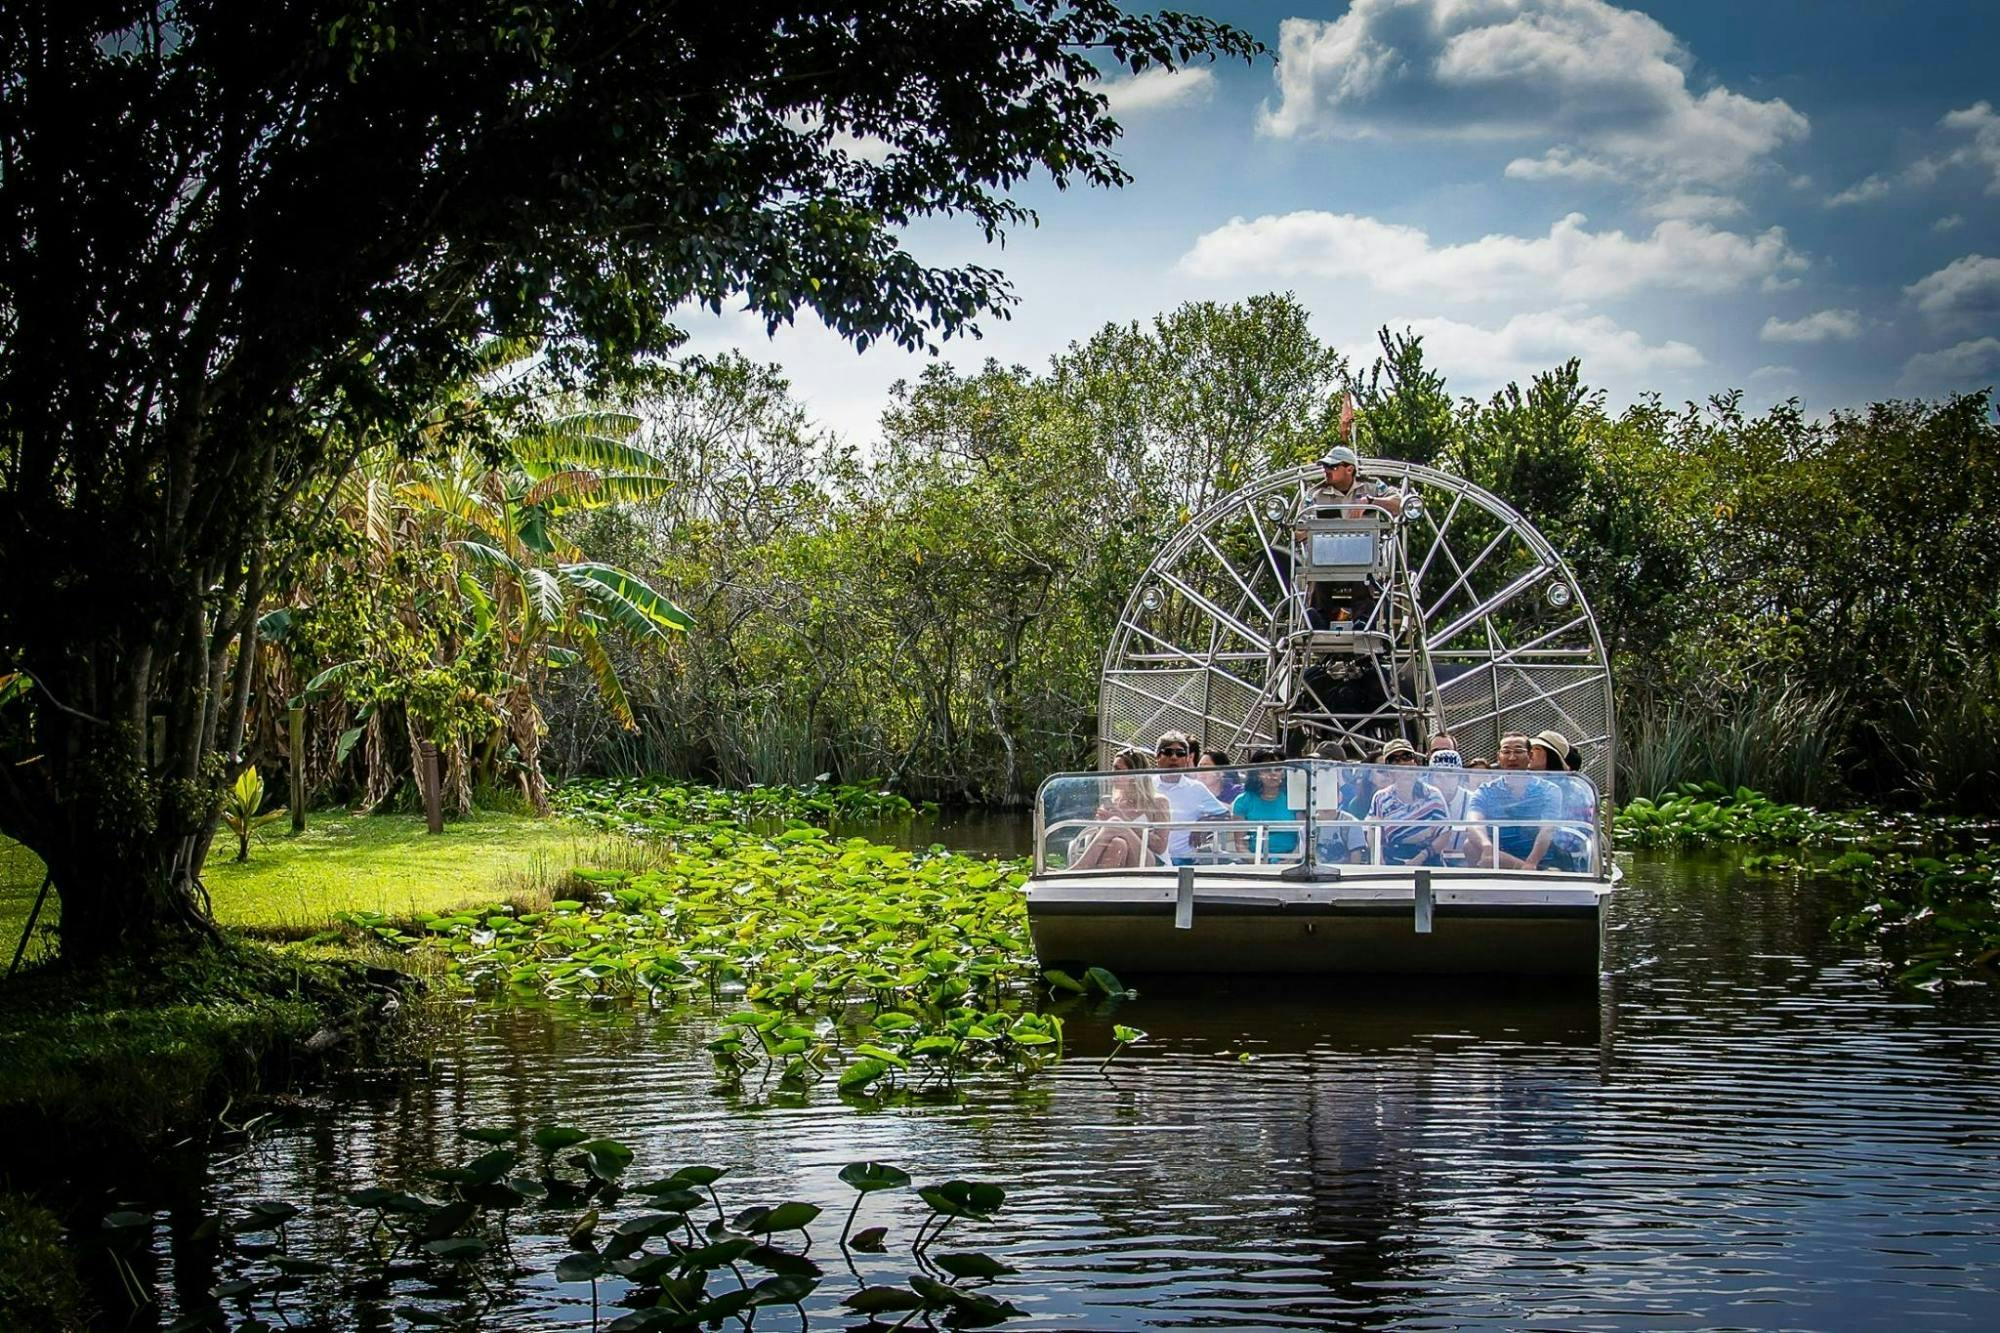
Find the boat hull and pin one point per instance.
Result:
(1478, 926)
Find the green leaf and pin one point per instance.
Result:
(456, 1248)
(972, 1265)
(552, 1139)
(1101, 980)
(868, 1177)
(627, 601)
(883, 1300)
(790, 1217)
(579, 1268)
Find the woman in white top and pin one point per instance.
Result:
(1123, 837)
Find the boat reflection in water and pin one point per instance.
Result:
(1306, 1183)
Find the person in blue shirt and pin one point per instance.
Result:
(1516, 795)
(1265, 799)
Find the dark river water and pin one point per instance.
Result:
(1738, 1127)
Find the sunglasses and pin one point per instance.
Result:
(1170, 749)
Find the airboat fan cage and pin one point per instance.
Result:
(1472, 624)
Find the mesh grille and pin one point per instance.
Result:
(1139, 704)
(1570, 698)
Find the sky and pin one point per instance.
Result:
(1795, 198)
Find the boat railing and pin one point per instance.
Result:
(1076, 813)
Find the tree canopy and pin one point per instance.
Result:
(241, 244)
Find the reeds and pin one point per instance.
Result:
(1785, 741)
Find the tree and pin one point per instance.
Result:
(237, 240)
(1402, 408)
(1212, 395)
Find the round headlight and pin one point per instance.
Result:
(1413, 507)
(1275, 507)
(1150, 599)
(1559, 595)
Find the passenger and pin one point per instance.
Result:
(1340, 840)
(1264, 801)
(1123, 837)
(1441, 740)
(1187, 800)
(1555, 753)
(1361, 791)
(1515, 800)
(1447, 778)
(1479, 763)
(1409, 802)
(1219, 777)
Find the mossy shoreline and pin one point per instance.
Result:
(112, 1064)
(109, 1065)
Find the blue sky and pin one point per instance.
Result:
(1791, 197)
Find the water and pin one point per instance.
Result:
(1739, 1128)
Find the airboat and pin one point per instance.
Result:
(1277, 620)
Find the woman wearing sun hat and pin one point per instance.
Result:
(1551, 752)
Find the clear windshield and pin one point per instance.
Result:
(1326, 814)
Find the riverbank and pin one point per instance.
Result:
(118, 1060)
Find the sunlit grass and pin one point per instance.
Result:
(295, 882)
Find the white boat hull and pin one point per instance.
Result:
(1251, 922)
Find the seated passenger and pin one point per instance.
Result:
(1264, 800)
(1124, 836)
(1216, 774)
(1447, 778)
(1522, 807)
(1551, 751)
(1340, 838)
(1187, 799)
(1412, 804)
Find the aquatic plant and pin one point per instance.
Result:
(1928, 886)
(671, 1264)
(905, 968)
(1707, 814)
(643, 807)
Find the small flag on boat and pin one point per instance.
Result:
(1347, 416)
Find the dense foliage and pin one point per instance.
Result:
(650, 807)
(242, 243)
(1802, 606)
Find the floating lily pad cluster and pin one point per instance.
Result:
(664, 1250)
(860, 962)
(1929, 884)
(653, 806)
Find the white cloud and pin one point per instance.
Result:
(1694, 205)
(1964, 292)
(1569, 263)
(1949, 222)
(1864, 191)
(1560, 164)
(1486, 358)
(1963, 368)
(1983, 153)
(1151, 89)
(1818, 327)
(1600, 85)
(1764, 374)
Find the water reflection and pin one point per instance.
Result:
(1738, 1128)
